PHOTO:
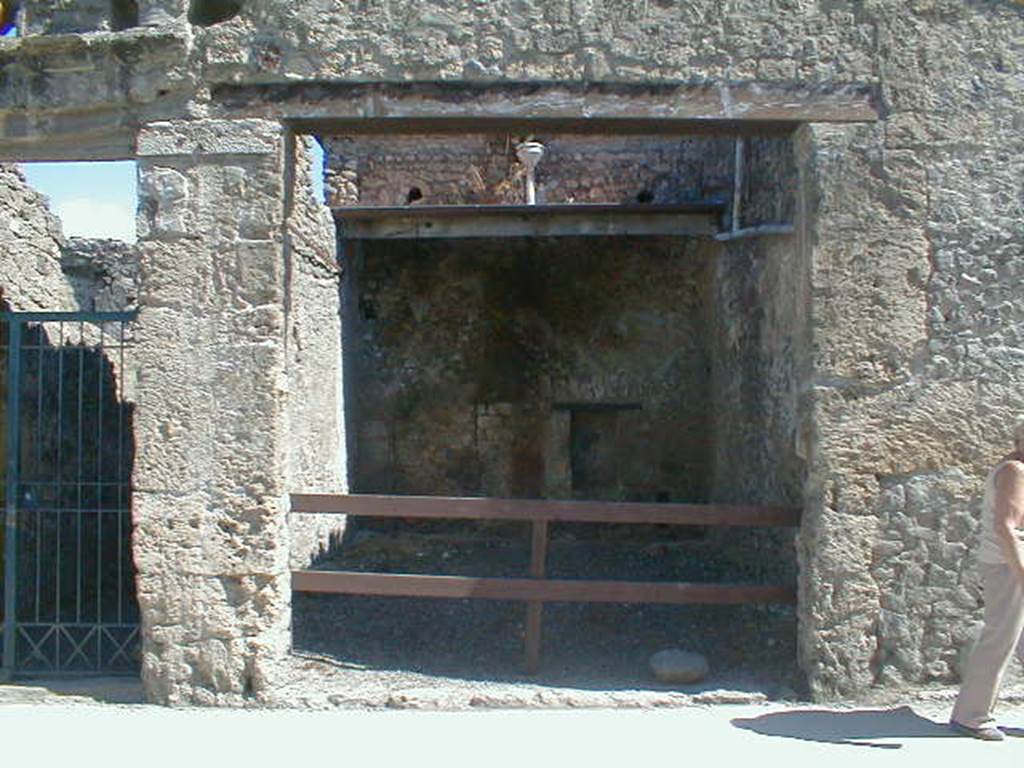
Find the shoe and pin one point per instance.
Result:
(985, 732)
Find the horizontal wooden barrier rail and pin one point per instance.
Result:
(541, 590)
(537, 590)
(551, 510)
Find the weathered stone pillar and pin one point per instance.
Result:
(839, 599)
(886, 592)
(211, 541)
(316, 421)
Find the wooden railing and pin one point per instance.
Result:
(537, 590)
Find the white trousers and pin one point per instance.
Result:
(1000, 638)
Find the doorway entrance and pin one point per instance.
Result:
(68, 580)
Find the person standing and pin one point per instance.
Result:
(1001, 566)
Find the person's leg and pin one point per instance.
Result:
(1004, 619)
(1019, 650)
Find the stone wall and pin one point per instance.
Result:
(768, 183)
(758, 352)
(58, 16)
(481, 169)
(103, 273)
(55, 17)
(558, 40)
(758, 347)
(916, 350)
(484, 366)
(316, 424)
(245, 320)
(211, 536)
(31, 242)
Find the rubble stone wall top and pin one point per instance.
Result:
(103, 273)
(30, 240)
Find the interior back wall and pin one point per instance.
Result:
(558, 368)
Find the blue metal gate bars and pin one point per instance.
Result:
(67, 446)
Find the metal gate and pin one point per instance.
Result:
(66, 451)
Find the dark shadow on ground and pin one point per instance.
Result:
(860, 728)
(101, 690)
(586, 646)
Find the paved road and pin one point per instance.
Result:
(77, 735)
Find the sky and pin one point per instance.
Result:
(99, 199)
(91, 199)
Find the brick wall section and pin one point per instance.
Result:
(483, 169)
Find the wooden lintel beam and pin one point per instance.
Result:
(527, 510)
(338, 107)
(694, 219)
(538, 590)
(541, 210)
(582, 224)
(541, 126)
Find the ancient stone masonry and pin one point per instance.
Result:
(483, 169)
(46, 271)
(61, 16)
(532, 368)
(767, 183)
(103, 273)
(901, 439)
(316, 418)
(31, 240)
(211, 465)
(859, 310)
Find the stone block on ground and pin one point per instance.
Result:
(674, 665)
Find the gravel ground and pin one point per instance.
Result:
(469, 652)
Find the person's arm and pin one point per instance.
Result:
(1008, 513)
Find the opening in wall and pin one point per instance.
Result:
(317, 162)
(68, 445)
(206, 13)
(92, 223)
(124, 14)
(91, 199)
(580, 348)
(9, 13)
(531, 367)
